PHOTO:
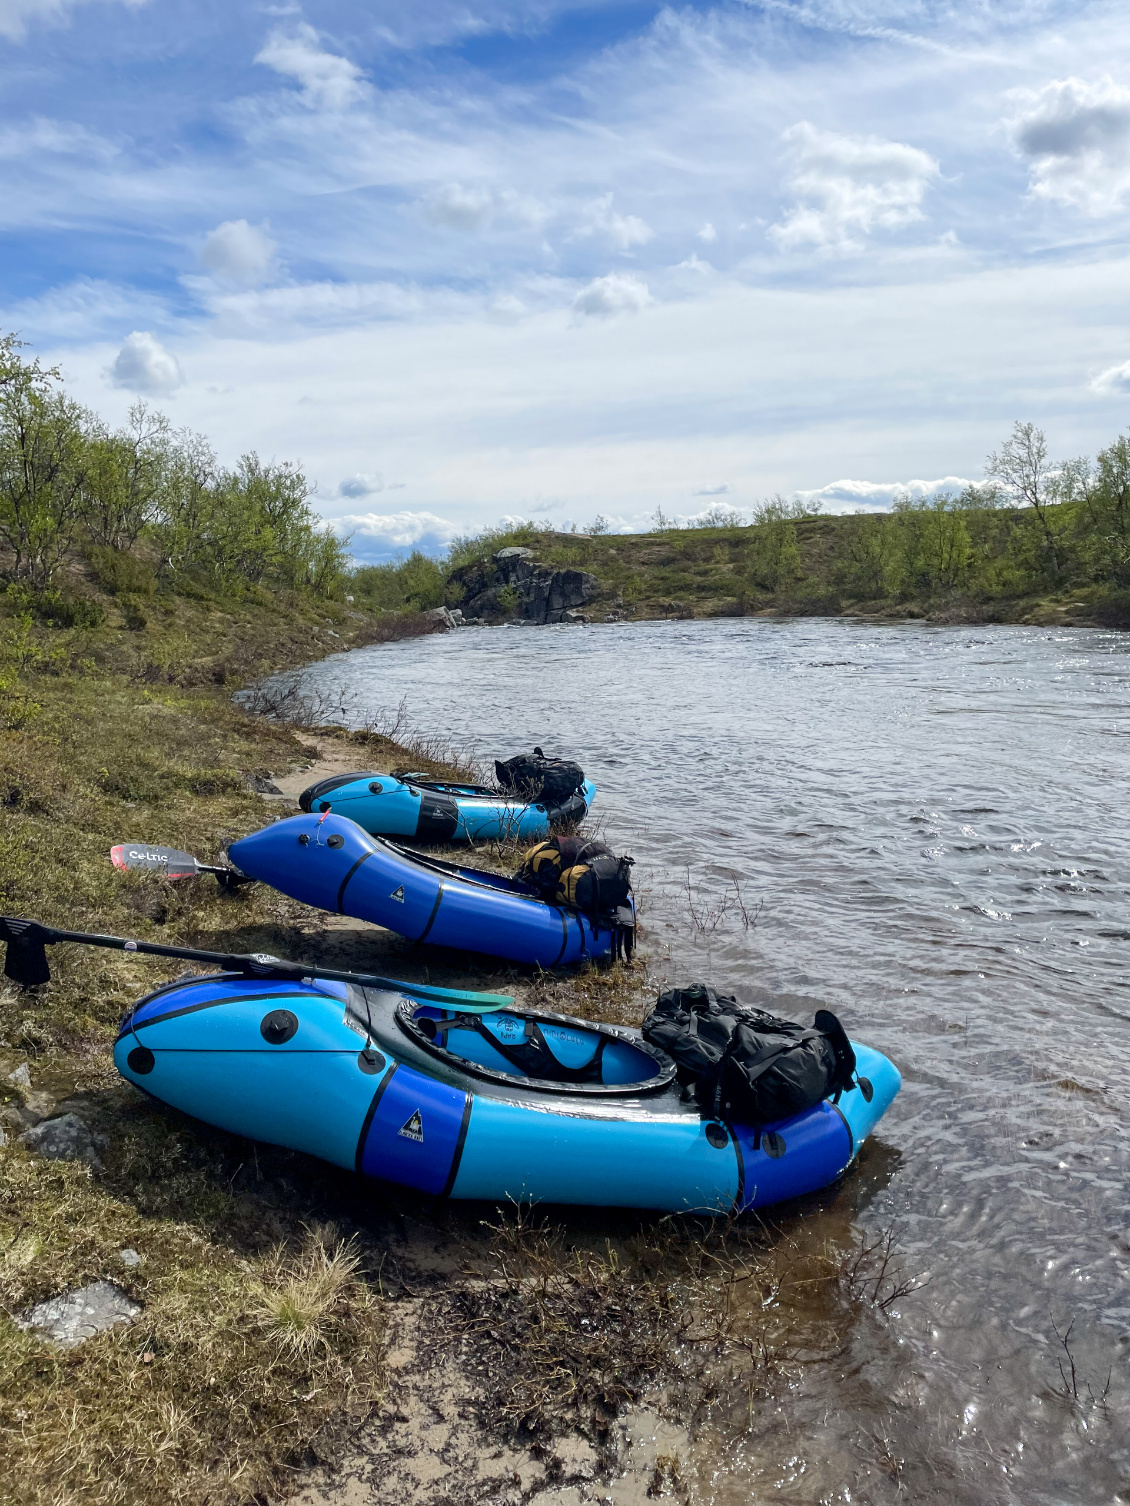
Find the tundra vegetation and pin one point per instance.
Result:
(1036, 541)
(143, 584)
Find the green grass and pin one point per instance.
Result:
(258, 1336)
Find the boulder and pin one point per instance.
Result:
(71, 1318)
(67, 1138)
(21, 1076)
(442, 616)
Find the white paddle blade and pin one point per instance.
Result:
(164, 860)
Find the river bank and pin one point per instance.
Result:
(277, 1305)
(924, 825)
(299, 1332)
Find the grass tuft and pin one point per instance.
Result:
(304, 1296)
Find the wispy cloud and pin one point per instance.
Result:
(328, 80)
(623, 230)
(17, 16)
(1114, 381)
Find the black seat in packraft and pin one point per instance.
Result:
(586, 874)
(745, 1065)
(534, 777)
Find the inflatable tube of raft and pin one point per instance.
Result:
(526, 1106)
(433, 811)
(329, 862)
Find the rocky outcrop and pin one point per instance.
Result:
(513, 584)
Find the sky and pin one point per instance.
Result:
(477, 260)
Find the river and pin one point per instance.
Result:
(935, 823)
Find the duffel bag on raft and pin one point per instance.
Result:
(748, 1066)
(533, 776)
(581, 872)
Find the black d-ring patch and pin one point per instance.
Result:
(717, 1136)
(141, 1060)
(278, 1027)
(773, 1144)
(865, 1088)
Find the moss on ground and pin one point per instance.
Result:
(260, 1338)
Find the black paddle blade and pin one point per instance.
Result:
(168, 861)
(26, 962)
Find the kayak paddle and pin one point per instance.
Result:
(170, 862)
(28, 940)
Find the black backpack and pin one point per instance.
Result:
(747, 1066)
(580, 872)
(533, 777)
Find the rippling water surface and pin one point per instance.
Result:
(936, 822)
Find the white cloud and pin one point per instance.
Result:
(16, 14)
(459, 208)
(379, 537)
(1115, 379)
(605, 297)
(623, 230)
(144, 365)
(721, 489)
(328, 81)
(239, 254)
(1076, 137)
(506, 309)
(850, 186)
(60, 138)
(360, 485)
(708, 233)
(847, 496)
(694, 263)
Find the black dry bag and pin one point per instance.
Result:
(745, 1065)
(533, 777)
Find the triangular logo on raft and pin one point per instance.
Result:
(398, 894)
(414, 1129)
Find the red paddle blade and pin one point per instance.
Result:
(164, 860)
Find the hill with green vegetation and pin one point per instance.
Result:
(1037, 543)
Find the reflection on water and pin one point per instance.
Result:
(937, 822)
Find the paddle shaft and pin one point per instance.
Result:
(261, 965)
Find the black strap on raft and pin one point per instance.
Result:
(533, 1057)
(623, 934)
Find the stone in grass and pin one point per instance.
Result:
(67, 1138)
(129, 1257)
(75, 1316)
(21, 1076)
